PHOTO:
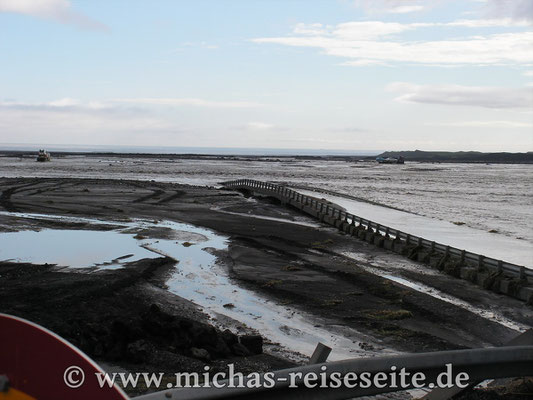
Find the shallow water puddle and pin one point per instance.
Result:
(197, 276)
(199, 279)
(207, 285)
(105, 249)
(73, 248)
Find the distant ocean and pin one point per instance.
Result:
(189, 150)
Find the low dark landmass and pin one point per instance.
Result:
(416, 155)
(462, 157)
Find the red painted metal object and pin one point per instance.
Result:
(40, 364)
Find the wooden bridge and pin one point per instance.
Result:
(497, 275)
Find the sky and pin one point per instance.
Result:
(289, 74)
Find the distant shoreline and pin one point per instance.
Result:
(413, 156)
(226, 151)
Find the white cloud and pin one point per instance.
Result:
(65, 102)
(485, 124)
(195, 102)
(373, 42)
(59, 10)
(74, 122)
(309, 29)
(131, 121)
(527, 73)
(57, 105)
(351, 129)
(367, 30)
(486, 97)
(482, 23)
(521, 10)
(203, 44)
(259, 126)
(363, 63)
(405, 9)
(391, 6)
(68, 103)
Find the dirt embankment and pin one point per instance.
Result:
(125, 317)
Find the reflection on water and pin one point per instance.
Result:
(74, 248)
(206, 284)
(105, 249)
(197, 277)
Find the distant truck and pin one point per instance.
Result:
(43, 156)
(390, 160)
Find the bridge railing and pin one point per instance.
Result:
(326, 208)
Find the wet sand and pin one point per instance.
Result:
(283, 256)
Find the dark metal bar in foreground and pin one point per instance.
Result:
(479, 364)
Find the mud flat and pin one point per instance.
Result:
(490, 198)
(240, 261)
